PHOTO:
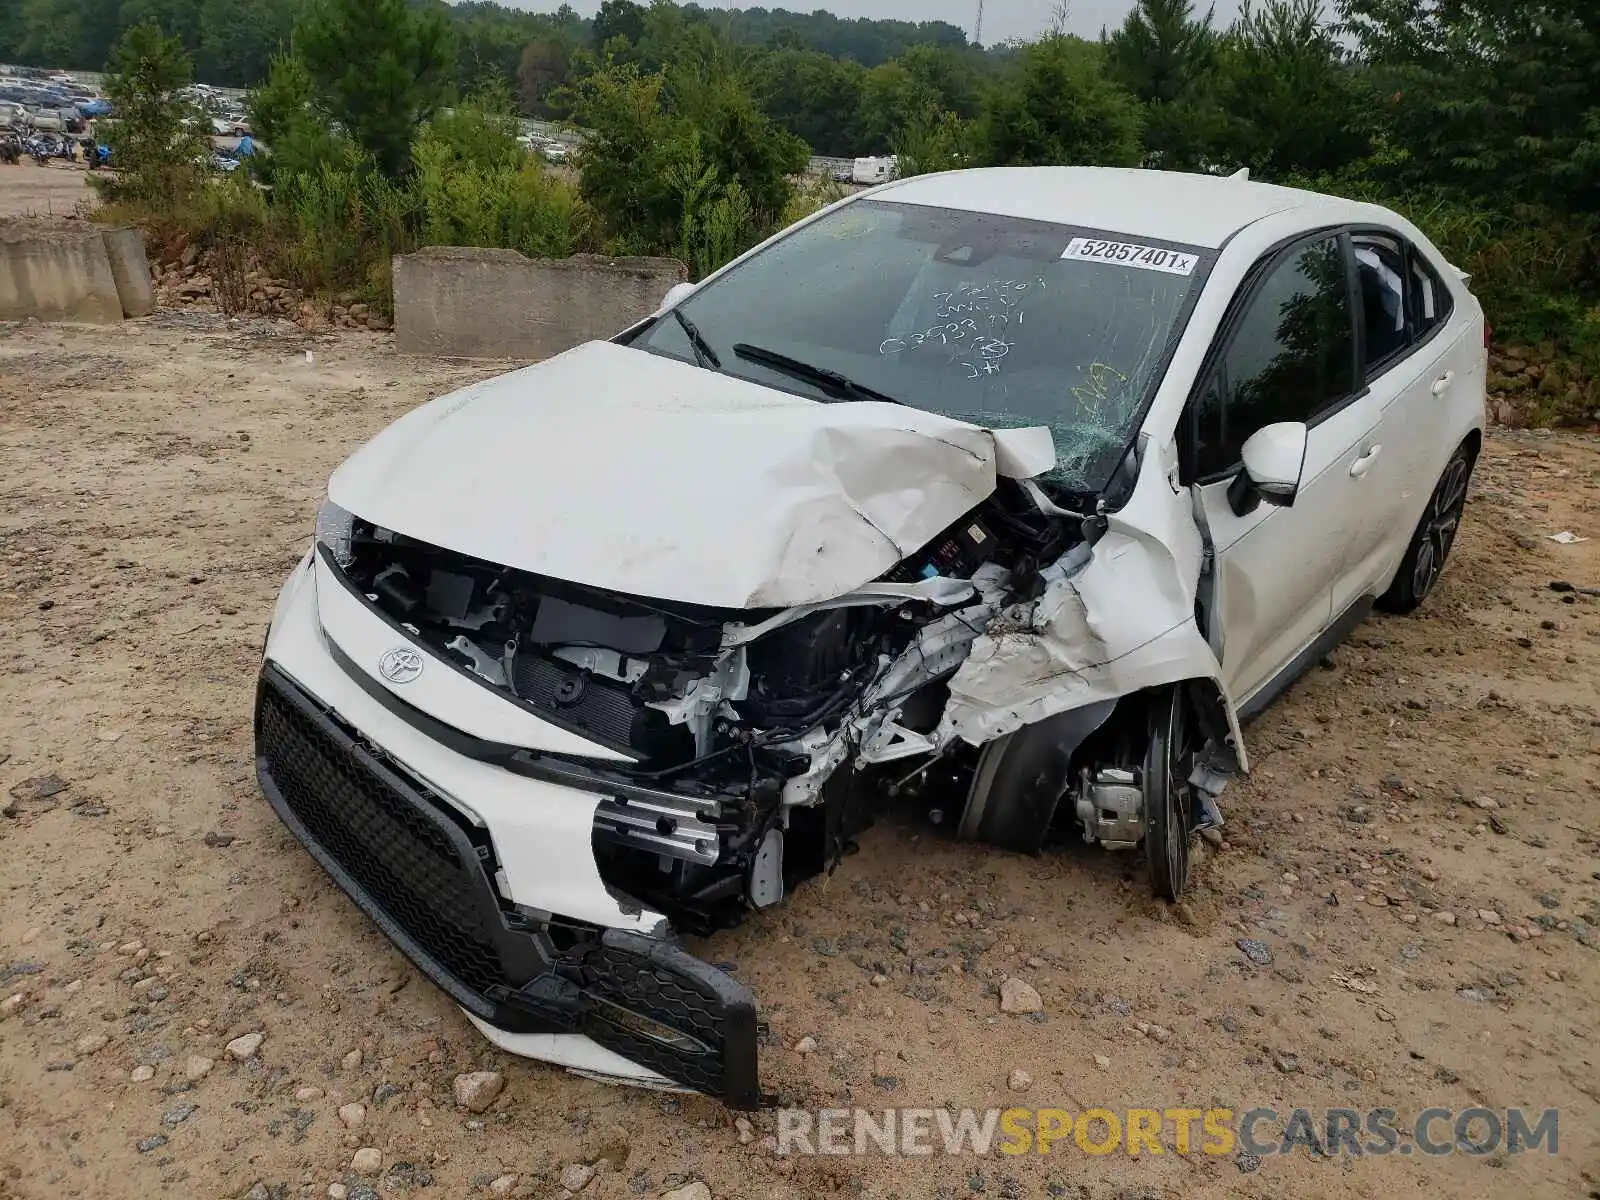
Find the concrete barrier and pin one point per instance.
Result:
(465, 302)
(56, 274)
(60, 271)
(130, 267)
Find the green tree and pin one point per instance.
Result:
(481, 131)
(49, 32)
(378, 68)
(1161, 53)
(713, 97)
(869, 42)
(1167, 58)
(1289, 93)
(625, 156)
(156, 139)
(543, 68)
(813, 96)
(177, 18)
(618, 19)
(1057, 106)
(284, 114)
(892, 97)
(239, 37)
(685, 162)
(489, 43)
(1500, 98)
(933, 140)
(949, 73)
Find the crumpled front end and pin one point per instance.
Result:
(535, 783)
(500, 904)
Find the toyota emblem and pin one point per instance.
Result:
(400, 665)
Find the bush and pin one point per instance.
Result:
(339, 222)
(931, 141)
(521, 206)
(481, 132)
(684, 163)
(813, 194)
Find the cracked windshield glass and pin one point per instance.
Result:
(993, 320)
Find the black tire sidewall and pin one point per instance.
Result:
(1402, 598)
(1169, 876)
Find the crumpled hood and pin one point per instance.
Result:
(624, 470)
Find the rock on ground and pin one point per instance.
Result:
(576, 1177)
(1017, 996)
(475, 1091)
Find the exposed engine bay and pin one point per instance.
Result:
(738, 721)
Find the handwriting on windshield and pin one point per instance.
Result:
(995, 296)
(978, 319)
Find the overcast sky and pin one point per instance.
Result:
(1002, 19)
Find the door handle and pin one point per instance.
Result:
(1443, 382)
(1364, 464)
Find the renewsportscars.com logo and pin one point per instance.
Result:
(1261, 1132)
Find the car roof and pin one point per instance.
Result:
(1176, 206)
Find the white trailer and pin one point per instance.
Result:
(875, 170)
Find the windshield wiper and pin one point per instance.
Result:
(703, 353)
(839, 385)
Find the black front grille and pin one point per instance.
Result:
(416, 865)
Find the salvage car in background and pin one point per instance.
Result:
(1015, 490)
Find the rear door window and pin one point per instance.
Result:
(1386, 316)
(1430, 301)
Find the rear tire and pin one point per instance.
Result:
(1168, 796)
(1431, 541)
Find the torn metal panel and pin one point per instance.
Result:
(645, 475)
(1114, 620)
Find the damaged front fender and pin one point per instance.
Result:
(1118, 621)
(1115, 619)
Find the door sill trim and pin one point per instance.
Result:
(1264, 696)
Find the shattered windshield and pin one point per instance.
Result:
(993, 320)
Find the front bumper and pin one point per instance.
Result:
(426, 875)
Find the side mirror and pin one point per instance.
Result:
(1274, 459)
(676, 293)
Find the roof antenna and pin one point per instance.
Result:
(1243, 174)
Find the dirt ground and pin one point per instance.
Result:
(157, 481)
(29, 190)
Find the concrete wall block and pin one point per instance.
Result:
(466, 302)
(56, 275)
(130, 267)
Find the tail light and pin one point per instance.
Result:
(1488, 334)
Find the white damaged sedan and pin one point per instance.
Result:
(1011, 492)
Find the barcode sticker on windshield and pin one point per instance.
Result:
(1130, 254)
